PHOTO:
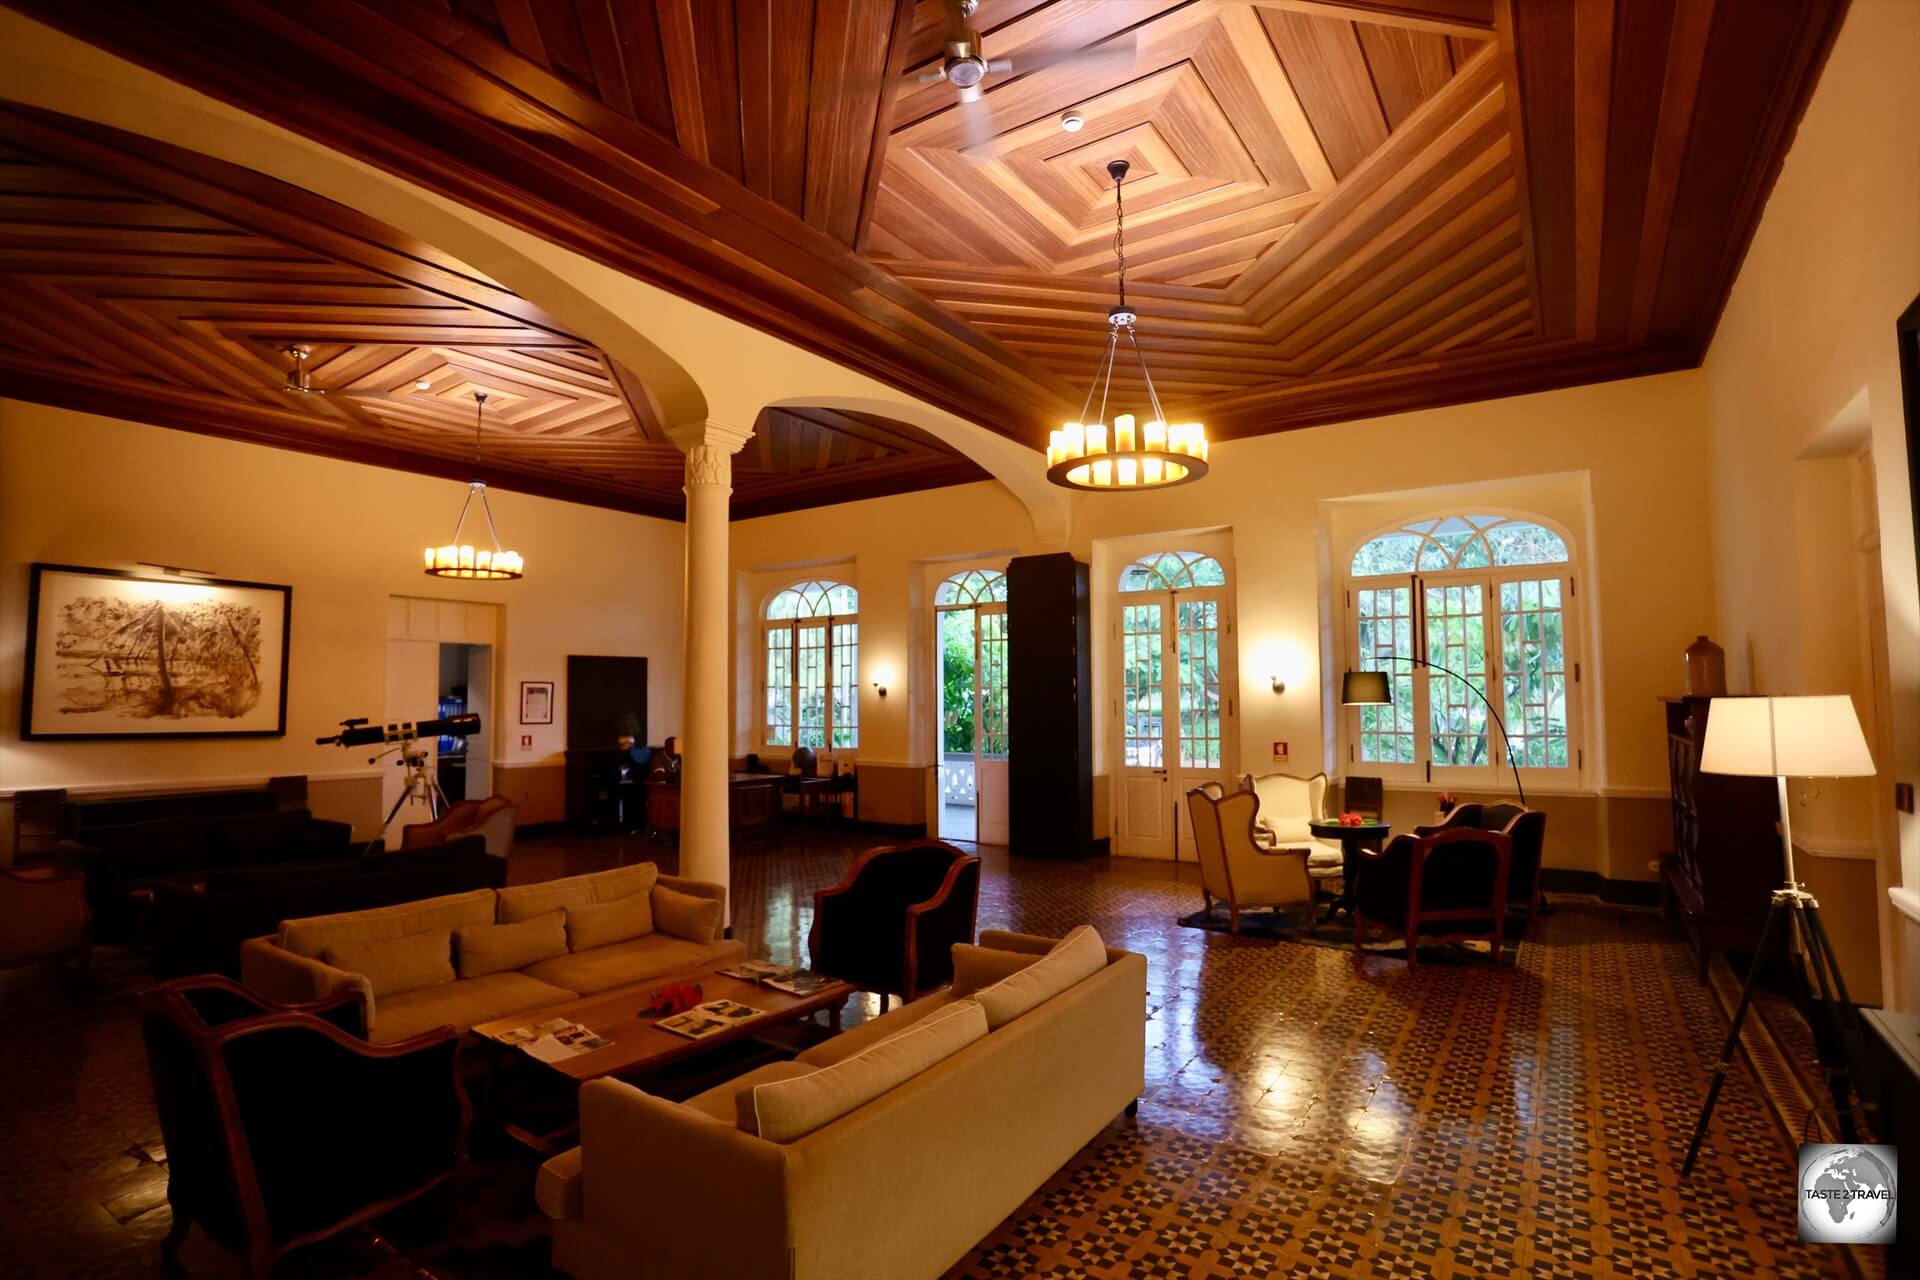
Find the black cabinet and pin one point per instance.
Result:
(1049, 716)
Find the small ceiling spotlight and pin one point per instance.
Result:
(1072, 121)
(424, 384)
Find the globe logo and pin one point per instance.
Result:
(1848, 1193)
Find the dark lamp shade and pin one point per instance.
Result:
(1365, 688)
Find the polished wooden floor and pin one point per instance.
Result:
(1308, 1112)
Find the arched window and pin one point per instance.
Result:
(974, 586)
(1172, 571)
(813, 666)
(1483, 596)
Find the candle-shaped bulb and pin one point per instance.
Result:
(1097, 437)
(1123, 433)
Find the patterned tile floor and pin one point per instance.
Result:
(1308, 1112)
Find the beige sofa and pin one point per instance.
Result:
(448, 988)
(900, 1185)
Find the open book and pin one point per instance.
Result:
(554, 1039)
(708, 1019)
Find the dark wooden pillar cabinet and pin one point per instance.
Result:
(1726, 858)
(1049, 715)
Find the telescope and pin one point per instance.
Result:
(358, 733)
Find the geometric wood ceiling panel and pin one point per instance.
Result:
(146, 282)
(1338, 208)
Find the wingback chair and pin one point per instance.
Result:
(1445, 887)
(283, 1126)
(493, 818)
(1287, 804)
(890, 925)
(1234, 867)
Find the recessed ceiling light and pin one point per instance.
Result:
(423, 385)
(1073, 121)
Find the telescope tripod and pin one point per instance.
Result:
(421, 785)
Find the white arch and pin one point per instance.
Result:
(698, 363)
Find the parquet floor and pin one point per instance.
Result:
(1308, 1113)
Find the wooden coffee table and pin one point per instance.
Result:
(638, 1045)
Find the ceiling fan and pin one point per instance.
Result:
(967, 68)
(300, 382)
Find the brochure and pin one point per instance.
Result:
(554, 1039)
(706, 1019)
(801, 982)
(758, 971)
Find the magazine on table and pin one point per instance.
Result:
(801, 982)
(554, 1039)
(790, 978)
(758, 971)
(708, 1019)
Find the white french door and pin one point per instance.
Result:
(973, 719)
(1176, 712)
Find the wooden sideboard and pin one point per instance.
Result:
(1726, 858)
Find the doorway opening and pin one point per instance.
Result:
(970, 628)
(464, 765)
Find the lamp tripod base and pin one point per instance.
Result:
(1793, 921)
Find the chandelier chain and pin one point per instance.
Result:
(1120, 237)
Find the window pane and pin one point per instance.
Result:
(1522, 542)
(956, 681)
(1141, 674)
(1173, 570)
(1386, 632)
(780, 686)
(844, 727)
(1533, 671)
(811, 683)
(1389, 553)
(993, 684)
(1199, 672)
(1456, 639)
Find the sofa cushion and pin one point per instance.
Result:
(977, 967)
(395, 966)
(685, 916)
(462, 1004)
(523, 902)
(787, 1110)
(624, 963)
(601, 924)
(496, 948)
(1079, 955)
(860, 1038)
(732, 1102)
(258, 839)
(310, 935)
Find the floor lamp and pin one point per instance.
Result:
(1372, 689)
(1790, 737)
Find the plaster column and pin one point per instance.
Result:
(704, 845)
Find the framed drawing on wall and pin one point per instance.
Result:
(120, 655)
(536, 702)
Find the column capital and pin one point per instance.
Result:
(709, 433)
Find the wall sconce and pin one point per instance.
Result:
(1279, 685)
(1282, 661)
(882, 677)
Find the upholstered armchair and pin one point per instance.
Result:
(890, 925)
(43, 916)
(1527, 828)
(1445, 887)
(1287, 804)
(1234, 867)
(283, 1126)
(494, 819)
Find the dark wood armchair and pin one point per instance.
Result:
(890, 925)
(1527, 828)
(1450, 886)
(284, 1126)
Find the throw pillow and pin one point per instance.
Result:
(977, 967)
(1079, 955)
(791, 1109)
(525, 901)
(496, 948)
(602, 924)
(394, 966)
(685, 915)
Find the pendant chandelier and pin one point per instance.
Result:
(461, 559)
(1155, 454)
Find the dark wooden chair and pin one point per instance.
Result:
(1364, 796)
(283, 1126)
(890, 925)
(1447, 887)
(37, 819)
(1527, 828)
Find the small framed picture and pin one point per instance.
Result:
(536, 702)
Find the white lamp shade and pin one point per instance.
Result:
(1815, 736)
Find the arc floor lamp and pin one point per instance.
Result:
(1374, 689)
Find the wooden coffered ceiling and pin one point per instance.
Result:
(1338, 207)
(150, 283)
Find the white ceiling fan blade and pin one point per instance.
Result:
(976, 124)
(1115, 52)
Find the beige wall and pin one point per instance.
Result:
(1801, 372)
(80, 489)
(1632, 452)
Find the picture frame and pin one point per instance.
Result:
(116, 655)
(536, 702)
(1906, 332)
